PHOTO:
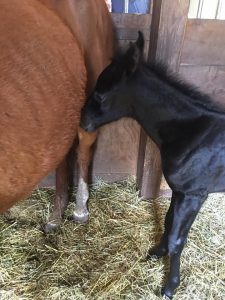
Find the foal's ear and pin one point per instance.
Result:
(134, 54)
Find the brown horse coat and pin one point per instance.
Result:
(45, 55)
(92, 21)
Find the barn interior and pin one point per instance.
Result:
(105, 258)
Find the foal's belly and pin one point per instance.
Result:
(202, 168)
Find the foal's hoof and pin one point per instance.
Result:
(156, 253)
(81, 217)
(49, 227)
(166, 295)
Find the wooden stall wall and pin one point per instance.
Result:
(203, 56)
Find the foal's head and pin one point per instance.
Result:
(111, 100)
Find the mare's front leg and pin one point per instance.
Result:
(86, 141)
(185, 209)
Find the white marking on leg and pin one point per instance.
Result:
(81, 213)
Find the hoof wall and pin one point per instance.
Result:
(166, 296)
(81, 218)
(49, 227)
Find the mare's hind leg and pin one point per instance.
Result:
(86, 140)
(61, 198)
(64, 181)
(186, 207)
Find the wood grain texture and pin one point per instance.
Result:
(204, 43)
(134, 21)
(131, 34)
(152, 171)
(116, 150)
(172, 27)
(154, 33)
(209, 79)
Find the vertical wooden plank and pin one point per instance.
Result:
(141, 159)
(174, 14)
(166, 39)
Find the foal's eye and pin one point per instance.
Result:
(98, 98)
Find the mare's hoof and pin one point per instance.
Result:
(81, 217)
(49, 227)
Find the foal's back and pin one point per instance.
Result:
(193, 147)
(42, 82)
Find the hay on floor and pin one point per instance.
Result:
(103, 259)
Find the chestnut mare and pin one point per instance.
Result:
(51, 55)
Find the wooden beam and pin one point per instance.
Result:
(168, 25)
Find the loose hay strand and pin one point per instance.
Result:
(103, 259)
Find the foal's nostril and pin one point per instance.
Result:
(86, 125)
(89, 127)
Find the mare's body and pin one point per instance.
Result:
(187, 126)
(47, 69)
(37, 79)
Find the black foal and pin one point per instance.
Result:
(187, 126)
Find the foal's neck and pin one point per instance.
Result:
(158, 105)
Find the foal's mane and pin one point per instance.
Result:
(199, 98)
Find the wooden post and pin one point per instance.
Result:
(169, 18)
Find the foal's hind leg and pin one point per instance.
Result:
(86, 140)
(186, 207)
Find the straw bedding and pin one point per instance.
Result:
(104, 259)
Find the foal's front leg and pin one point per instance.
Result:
(86, 140)
(162, 249)
(186, 207)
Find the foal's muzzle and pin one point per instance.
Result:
(87, 124)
